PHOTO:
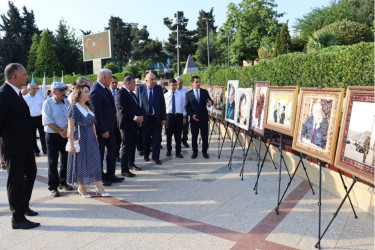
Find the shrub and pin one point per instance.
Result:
(337, 66)
(112, 67)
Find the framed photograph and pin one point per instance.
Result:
(317, 122)
(243, 103)
(281, 109)
(258, 107)
(230, 108)
(218, 98)
(210, 90)
(355, 152)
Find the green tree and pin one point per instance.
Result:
(202, 25)
(361, 11)
(201, 52)
(283, 42)
(29, 28)
(187, 38)
(33, 53)
(46, 60)
(251, 20)
(121, 40)
(143, 66)
(266, 48)
(66, 48)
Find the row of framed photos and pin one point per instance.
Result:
(311, 115)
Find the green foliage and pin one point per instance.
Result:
(201, 52)
(112, 67)
(131, 70)
(143, 66)
(33, 53)
(361, 11)
(46, 60)
(283, 43)
(250, 21)
(266, 48)
(202, 25)
(336, 66)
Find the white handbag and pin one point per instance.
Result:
(76, 143)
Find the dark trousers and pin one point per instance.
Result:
(55, 146)
(185, 130)
(110, 144)
(37, 124)
(174, 127)
(195, 127)
(21, 177)
(151, 128)
(118, 141)
(140, 140)
(129, 142)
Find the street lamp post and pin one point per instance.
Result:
(228, 34)
(208, 41)
(176, 21)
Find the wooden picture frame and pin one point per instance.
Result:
(230, 101)
(355, 152)
(218, 98)
(243, 103)
(317, 122)
(281, 109)
(258, 107)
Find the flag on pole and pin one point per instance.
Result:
(32, 78)
(62, 76)
(44, 88)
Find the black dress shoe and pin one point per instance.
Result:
(179, 155)
(25, 225)
(185, 144)
(205, 155)
(30, 212)
(106, 183)
(114, 178)
(66, 187)
(140, 153)
(194, 155)
(134, 167)
(127, 173)
(157, 162)
(168, 153)
(55, 193)
(146, 158)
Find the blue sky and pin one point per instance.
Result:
(94, 14)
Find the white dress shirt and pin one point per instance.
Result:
(179, 102)
(35, 104)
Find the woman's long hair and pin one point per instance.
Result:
(77, 94)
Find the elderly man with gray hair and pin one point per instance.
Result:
(35, 103)
(185, 129)
(105, 113)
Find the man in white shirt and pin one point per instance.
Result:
(175, 109)
(185, 129)
(35, 103)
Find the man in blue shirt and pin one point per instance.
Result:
(55, 121)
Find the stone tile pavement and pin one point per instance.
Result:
(188, 204)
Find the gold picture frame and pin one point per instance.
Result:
(317, 122)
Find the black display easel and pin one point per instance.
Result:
(235, 131)
(355, 179)
(226, 125)
(247, 151)
(300, 162)
(212, 128)
(264, 158)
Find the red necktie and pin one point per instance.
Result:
(23, 100)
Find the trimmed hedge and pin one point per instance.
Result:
(336, 66)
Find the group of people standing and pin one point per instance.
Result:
(94, 115)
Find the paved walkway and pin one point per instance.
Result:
(187, 204)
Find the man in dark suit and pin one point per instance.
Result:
(114, 89)
(129, 119)
(105, 113)
(152, 103)
(195, 104)
(16, 132)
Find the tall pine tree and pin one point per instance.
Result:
(46, 60)
(202, 25)
(283, 42)
(33, 53)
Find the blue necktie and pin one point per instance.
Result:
(197, 95)
(150, 100)
(173, 104)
